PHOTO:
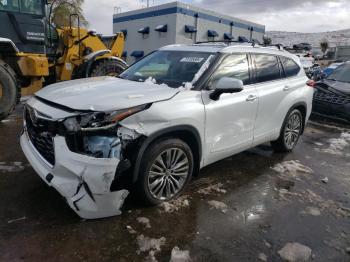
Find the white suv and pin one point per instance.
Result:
(173, 112)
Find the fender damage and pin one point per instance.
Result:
(83, 175)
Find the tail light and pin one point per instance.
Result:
(311, 83)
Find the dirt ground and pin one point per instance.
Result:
(244, 208)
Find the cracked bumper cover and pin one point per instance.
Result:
(84, 181)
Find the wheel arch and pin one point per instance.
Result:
(84, 70)
(187, 133)
(7, 46)
(302, 107)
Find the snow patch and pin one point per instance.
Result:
(217, 188)
(337, 145)
(313, 211)
(145, 221)
(175, 205)
(292, 168)
(262, 257)
(178, 255)
(218, 205)
(295, 252)
(131, 230)
(150, 80)
(186, 86)
(149, 244)
(11, 167)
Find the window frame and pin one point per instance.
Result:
(284, 71)
(255, 69)
(203, 84)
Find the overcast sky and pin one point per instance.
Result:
(283, 15)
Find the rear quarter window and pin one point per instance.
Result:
(290, 68)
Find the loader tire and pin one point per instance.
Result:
(9, 90)
(107, 67)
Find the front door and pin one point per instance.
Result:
(230, 120)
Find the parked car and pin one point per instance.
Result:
(328, 70)
(303, 46)
(315, 72)
(307, 62)
(173, 112)
(332, 94)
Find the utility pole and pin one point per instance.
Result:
(148, 2)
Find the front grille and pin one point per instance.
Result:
(331, 98)
(39, 135)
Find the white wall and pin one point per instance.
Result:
(176, 28)
(147, 43)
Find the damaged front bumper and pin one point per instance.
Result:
(84, 181)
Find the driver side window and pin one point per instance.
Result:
(235, 66)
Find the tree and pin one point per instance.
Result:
(267, 40)
(62, 9)
(324, 46)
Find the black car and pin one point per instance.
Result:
(303, 46)
(332, 94)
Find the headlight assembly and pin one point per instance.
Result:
(100, 120)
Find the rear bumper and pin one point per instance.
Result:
(83, 181)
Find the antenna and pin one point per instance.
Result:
(148, 2)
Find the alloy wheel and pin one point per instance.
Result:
(168, 173)
(292, 130)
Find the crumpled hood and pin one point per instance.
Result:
(339, 86)
(105, 93)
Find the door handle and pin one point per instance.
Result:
(251, 98)
(286, 88)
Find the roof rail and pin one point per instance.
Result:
(279, 46)
(253, 43)
(227, 42)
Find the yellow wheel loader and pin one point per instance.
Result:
(34, 54)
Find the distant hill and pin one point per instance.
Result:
(335, 38)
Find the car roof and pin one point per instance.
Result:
(228, 48)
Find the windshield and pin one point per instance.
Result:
(24, 6)
(173, 68)
(341, 74)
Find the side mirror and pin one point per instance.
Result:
(226, 85)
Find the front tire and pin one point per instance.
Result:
(165, 170)
(290, 132)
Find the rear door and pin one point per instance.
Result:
(275, 84)
(270, 88)
(230, 120)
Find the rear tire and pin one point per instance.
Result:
(165, 171)
(107, 67)
(9, 90)
(290, 132)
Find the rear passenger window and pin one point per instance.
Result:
(267, 67)
(289, 66)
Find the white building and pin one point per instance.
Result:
(150, 28)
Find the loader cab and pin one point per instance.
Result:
(22, 21)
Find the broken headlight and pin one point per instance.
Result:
(100, 120)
